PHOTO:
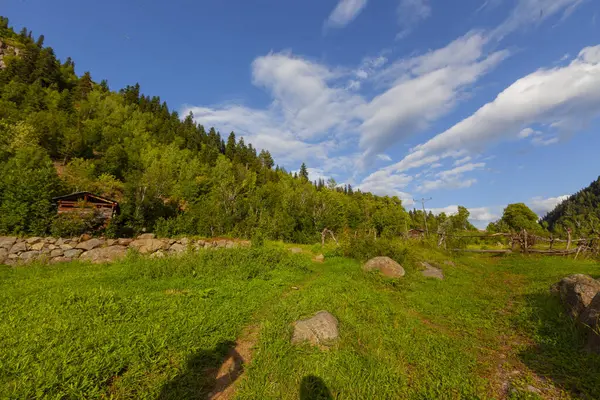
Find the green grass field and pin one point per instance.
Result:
(159, 328)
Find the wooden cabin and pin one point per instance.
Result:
(85, 201)
(416, 233)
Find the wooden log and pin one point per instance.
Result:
(484, 251)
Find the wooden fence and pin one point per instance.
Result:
(524, 242)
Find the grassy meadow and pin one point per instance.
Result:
(160, 328)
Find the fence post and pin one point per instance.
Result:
(525, 240)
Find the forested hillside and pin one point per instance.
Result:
(580, 212)
(60, 133)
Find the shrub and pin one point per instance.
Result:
(363, 248)
(75, 224)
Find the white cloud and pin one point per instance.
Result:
(541, 206)
(345, 12)
(384, 157)
(451, 179)
(410, 13)
(384, 184)
(462, 160)
(423, 88)
(530, 13)
(563, 99)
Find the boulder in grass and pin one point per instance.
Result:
(386, 266)
(296, 250)
(576, 292)
(322, 329)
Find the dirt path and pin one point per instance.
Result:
(232, 371)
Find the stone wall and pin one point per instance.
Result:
(15, 250)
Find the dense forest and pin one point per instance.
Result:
(60, 132)
(580, 212)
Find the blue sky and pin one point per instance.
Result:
(472, 102)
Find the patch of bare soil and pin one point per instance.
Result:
(232, 369)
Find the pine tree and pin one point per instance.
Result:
(303, 172)
(230, 150)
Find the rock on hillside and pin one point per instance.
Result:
(386, 266)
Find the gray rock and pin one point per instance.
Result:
(590, 321)
(124, 242)
(66, 246)
(7, 242)
(38, 246)
(73, 253)
(50, 240)
(177, 248)
(386, 266)
(29, 255)
(59, 241)
(52, 247)
(146, 236)
(296, 250)
(33, 240)
(104, 254)
(184, 241)
(322, 329)
(110, 242)
(576, 292)
(56, 253)
(3, 254)
(18, 247)
(431, 271)
(221, 243)
(147, 246)
(320, 258)
(90, 244)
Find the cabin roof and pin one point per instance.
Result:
(78, 195)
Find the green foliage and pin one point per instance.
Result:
(363, 248)
(28, 183)
(580, 212)
(515, 218)
(156, 328)
(76, 223)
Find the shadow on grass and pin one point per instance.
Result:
(558, 351)
(313, 388)
(204, 376)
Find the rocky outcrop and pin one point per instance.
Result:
(576, 292)
(98, 250)
(322, 329)
(7, 50)
(386, 266)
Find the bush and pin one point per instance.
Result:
(366, 247)
(75, 224)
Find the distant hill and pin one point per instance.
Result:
(580, 212)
